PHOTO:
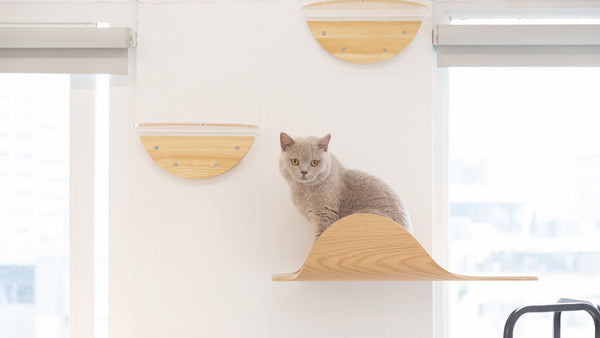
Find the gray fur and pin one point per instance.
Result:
(329, 191)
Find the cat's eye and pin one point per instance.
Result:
(295, 161)
(314, 163)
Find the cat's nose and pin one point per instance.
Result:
(304, 172)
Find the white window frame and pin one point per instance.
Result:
(81, 206)
(494, 46)
(66, 15)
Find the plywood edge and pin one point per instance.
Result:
(196, 157)
(364, 247)
(284, 277)
(225, 125)
(459, 277)
(297, 276)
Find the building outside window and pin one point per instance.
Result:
(524, 195)
(34, 207)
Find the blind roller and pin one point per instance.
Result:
(517, 45)
(74, 50)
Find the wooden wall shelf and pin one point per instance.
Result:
(367, 31)
(196, 150)
(366, 247)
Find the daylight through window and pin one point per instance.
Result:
(524, 194)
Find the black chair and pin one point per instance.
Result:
(563, 304)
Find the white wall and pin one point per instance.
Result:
(193, 258)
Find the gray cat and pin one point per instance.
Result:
(324, 191)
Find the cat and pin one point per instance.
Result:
(324, 191)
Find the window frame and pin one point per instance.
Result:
(443, 13)
(82, 303)
(81, 206)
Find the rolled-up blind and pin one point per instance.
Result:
(517, 45)
(74, 50)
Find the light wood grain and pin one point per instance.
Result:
(370, 247)
(364, 42)
(196, 156)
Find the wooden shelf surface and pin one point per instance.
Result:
(364, 42)
(366, 247)
(196, 156)
(364, 31)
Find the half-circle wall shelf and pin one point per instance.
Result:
(196, 150)
(365, 247)
(364, 31)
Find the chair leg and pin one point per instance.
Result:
(563, 304)
(556, 331)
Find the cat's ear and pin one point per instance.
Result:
(324, 142)
(285, 140)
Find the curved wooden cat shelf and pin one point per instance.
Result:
(366, 247)
(196, 150)
(367, 31)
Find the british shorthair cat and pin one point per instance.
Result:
(324, 191)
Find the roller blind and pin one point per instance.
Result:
(517, 45)
(74, 50)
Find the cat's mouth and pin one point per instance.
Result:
(305, 179)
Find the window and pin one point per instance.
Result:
(84, 45)
(34, 208)
(524, 195)
(53, 146)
